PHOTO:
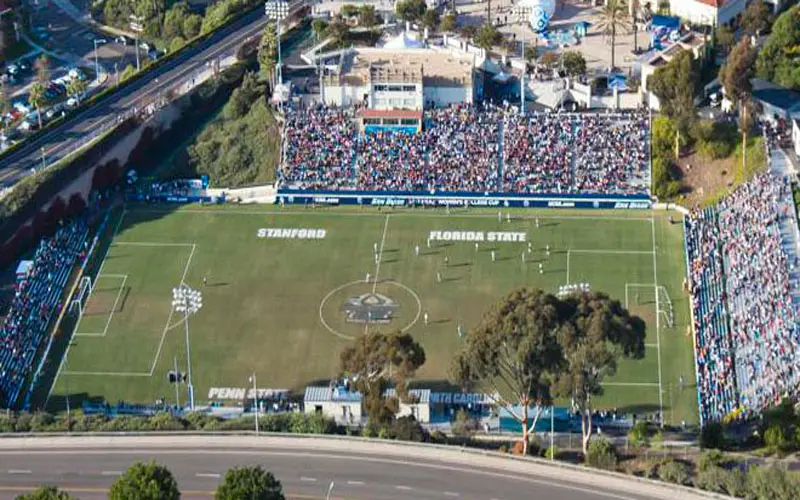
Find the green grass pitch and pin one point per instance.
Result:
(275, 306)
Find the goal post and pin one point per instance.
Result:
(85, 288)
(664, 306)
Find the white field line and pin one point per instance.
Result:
(377, 214)
(631, 384)
(113, 308)
(658, 323)
(109, 374)
(171, 310)
(612, 252)
(380, 254)
(149, 244)
(636, 285)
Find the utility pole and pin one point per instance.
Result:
(137, 27)
(255, 398)
(177, 391)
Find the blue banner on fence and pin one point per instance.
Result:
(400, 199)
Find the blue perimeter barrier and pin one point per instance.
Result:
(459, 199)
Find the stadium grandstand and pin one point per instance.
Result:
(744, 299)
(36, 302)
(467, 148)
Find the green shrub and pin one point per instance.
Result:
(673, 471)
(712, 436)
(407, 429)
(637, 436)
(601, 454)
(775, 438)
(551, 453)
(772, 483)
(666, 184)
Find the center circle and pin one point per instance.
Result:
(354, 308)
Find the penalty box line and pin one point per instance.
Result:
(124, 278)
(163, 333)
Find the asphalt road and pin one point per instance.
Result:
(359, 470)
(61, 140)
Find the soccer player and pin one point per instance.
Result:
(541, 268)
(375, 247)
(376, 258)
(476, 246)
(530, 247)
(493, 256)
(425, 318)
(547, 250)
(429, 242)
(416, 250)
(499, 216)
(537, 223)
(460, 331)
(446, 261)
(523, 257)
(508, 217)
(438, 277)
(366, 280)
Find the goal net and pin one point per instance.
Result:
(82, 296)
(664, 306)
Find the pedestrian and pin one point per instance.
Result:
(416, 250)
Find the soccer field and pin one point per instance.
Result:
(285, 307)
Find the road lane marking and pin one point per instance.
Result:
(356, 483)
(111, 473)
(213, 475)
(308, 479)
(404, 488)
(19, 471)
(451, 494)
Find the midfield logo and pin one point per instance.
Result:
(370, 308)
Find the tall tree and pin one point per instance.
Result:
(613, 20)
(410, 10)
(595, 333)
(251, 483)
(487, 37)
(514, 353)
(145, 481)
(430, 19)
(268, 51)
(735, 76)
(675, 85)
(37, 99)
(5, 107)
(449, 23)
(76, 87)
(725, 38)
(574, 63)
(757, 18)
(377, 360)
(46, 493)
(779, 57)
(367, 16)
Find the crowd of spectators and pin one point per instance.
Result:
(746, 325)
(36, 300)
(468, 148)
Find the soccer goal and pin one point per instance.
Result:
(85, 288)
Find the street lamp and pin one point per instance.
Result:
(97, 41)
(255, 397)
(188, 301)
(277, 10)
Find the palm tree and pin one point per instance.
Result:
(75, 88)
(613, 18)
(5, 107)
(37, 99)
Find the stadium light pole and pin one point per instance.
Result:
(277, 10)
(255, 397)
(188, 301)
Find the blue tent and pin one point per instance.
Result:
(668, 22)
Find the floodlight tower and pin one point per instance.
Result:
(277, 10)
(188, 301)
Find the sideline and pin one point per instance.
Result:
(489, 463)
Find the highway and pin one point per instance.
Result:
(67, 136)
(358, 469)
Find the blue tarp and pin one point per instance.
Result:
(669, 22)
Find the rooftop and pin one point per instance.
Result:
(775, 95)
(434, 68)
